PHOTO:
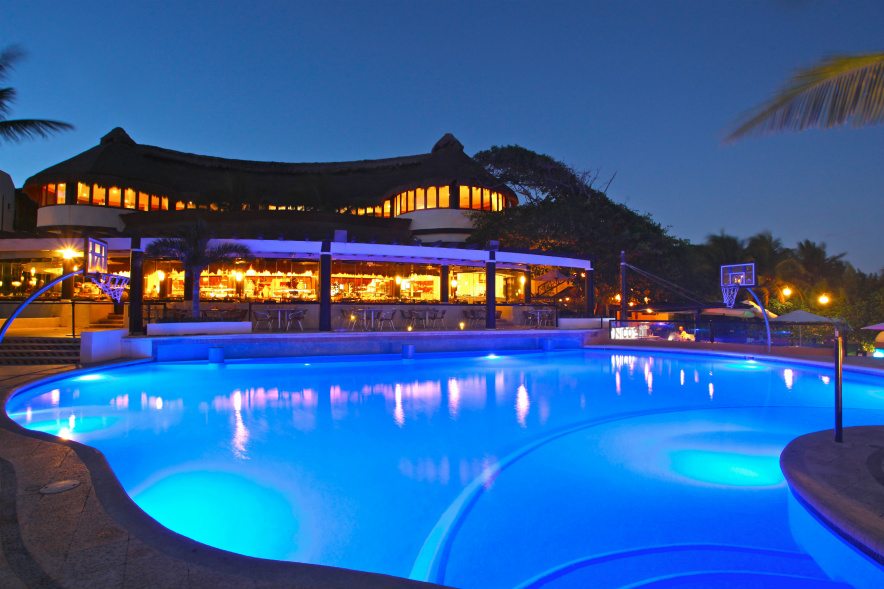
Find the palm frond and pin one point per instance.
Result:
(7, 97)
(29, 128)
(8, 57)
(841, 90)
(167, 247)
(226, 251)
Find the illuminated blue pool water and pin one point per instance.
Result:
(564, 469)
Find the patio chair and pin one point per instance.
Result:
(437, 318)
(292, 317)
(262, 320)
(408, 317)
(386, 318)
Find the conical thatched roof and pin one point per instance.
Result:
(119, 161)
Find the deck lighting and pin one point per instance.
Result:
(824, 299)
(462, 325)
(68, 253)
(409, 328)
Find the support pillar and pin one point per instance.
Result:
(325, 272)
(589, 289)
(136, 286)
(67, 286)
(624, 290)
(443, 283)
(491, 292)
(526, 288)
(188, 285)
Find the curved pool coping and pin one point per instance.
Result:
(235, 568)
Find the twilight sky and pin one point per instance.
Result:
(644, 89)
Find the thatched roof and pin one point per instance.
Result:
(119, 161)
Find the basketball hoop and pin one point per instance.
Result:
(729, 295)
(112, 285)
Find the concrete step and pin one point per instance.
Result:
(39, 350)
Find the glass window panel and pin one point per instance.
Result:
(61, 195)
(143, 201)
(386, 208)
(444, 197)
(378, 212)
(82, 194)
(114, 196)
(191, 204)
(164, 203)
(431, 197)
(49, 197)
(464, 197)
(129, 198)
(411, 200)
(99, 195)
(486, 199)
(179, 205)
(420, 201)
(154, 202)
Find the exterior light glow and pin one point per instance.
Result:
(522, 279)
(787, 292)
(824, 299)
(398, 280)
(68, 253)
(238, 276)
(161, 275)
(617, 297)
(462, 325)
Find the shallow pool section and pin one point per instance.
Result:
(559, 469)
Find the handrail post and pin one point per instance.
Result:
(839, 373)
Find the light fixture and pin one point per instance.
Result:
(787, 292)
(824, 299)
(522, 279)
(161, 275)
(462, 325)
(238, 276)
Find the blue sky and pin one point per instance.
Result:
(644, 89)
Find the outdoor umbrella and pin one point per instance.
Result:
(800, 317)
(875, 327)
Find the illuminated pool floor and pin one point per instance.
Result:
(530, 470)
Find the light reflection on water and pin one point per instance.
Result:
(342, 452)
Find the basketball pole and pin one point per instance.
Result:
(763, 314)
(839, 373)
(624, 298)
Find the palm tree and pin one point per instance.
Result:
(192, 249)
(18, 129)
(840, 90)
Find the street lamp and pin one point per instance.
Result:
(823, 299)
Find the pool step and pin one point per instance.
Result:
(20, 351)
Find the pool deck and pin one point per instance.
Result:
(95, 536)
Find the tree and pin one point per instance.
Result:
(18, 129)
(838, 91)
(563, 212)
(192, 249)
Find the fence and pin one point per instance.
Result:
(808, 335)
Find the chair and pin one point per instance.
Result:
(437, 318)
(408, 317)
(292, 317)
(262, 319)
(386, 318)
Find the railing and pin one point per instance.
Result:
(736, 332)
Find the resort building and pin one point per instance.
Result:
(390, 231)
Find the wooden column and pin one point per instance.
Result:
(136, 286)
(490, 292)
(67, 286)
(325, 271)
(589, 289)
(443, 283)
(526, 288)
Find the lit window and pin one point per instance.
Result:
(82, 194)
(179, 205)
(397, 204)
(143, 201)
(444, 197)
(386, 208)
(212, 206)
(61, 195)
(477, 199)
(420, 200)
(129, 198)
(411, 200)
(378, 212)
(164, 203)
(464, 197)
(49, 197)
(99, 195)
(154, 202)
(431, 197)
(113, 197)
(191, 205)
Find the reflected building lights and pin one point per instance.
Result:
(711, 390)
(523, 405)
(240, 431)
(681, 377)
(453, 397)
(398, 411)
(617, 382)
(789, 378)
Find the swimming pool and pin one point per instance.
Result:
(558, 469)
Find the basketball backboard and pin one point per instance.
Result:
(738, 274)
(95, 252)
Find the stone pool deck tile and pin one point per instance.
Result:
(842, 483)
(94, 537)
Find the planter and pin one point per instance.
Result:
(199, 328)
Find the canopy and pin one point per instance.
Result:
(803, 317)
(875, 327)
